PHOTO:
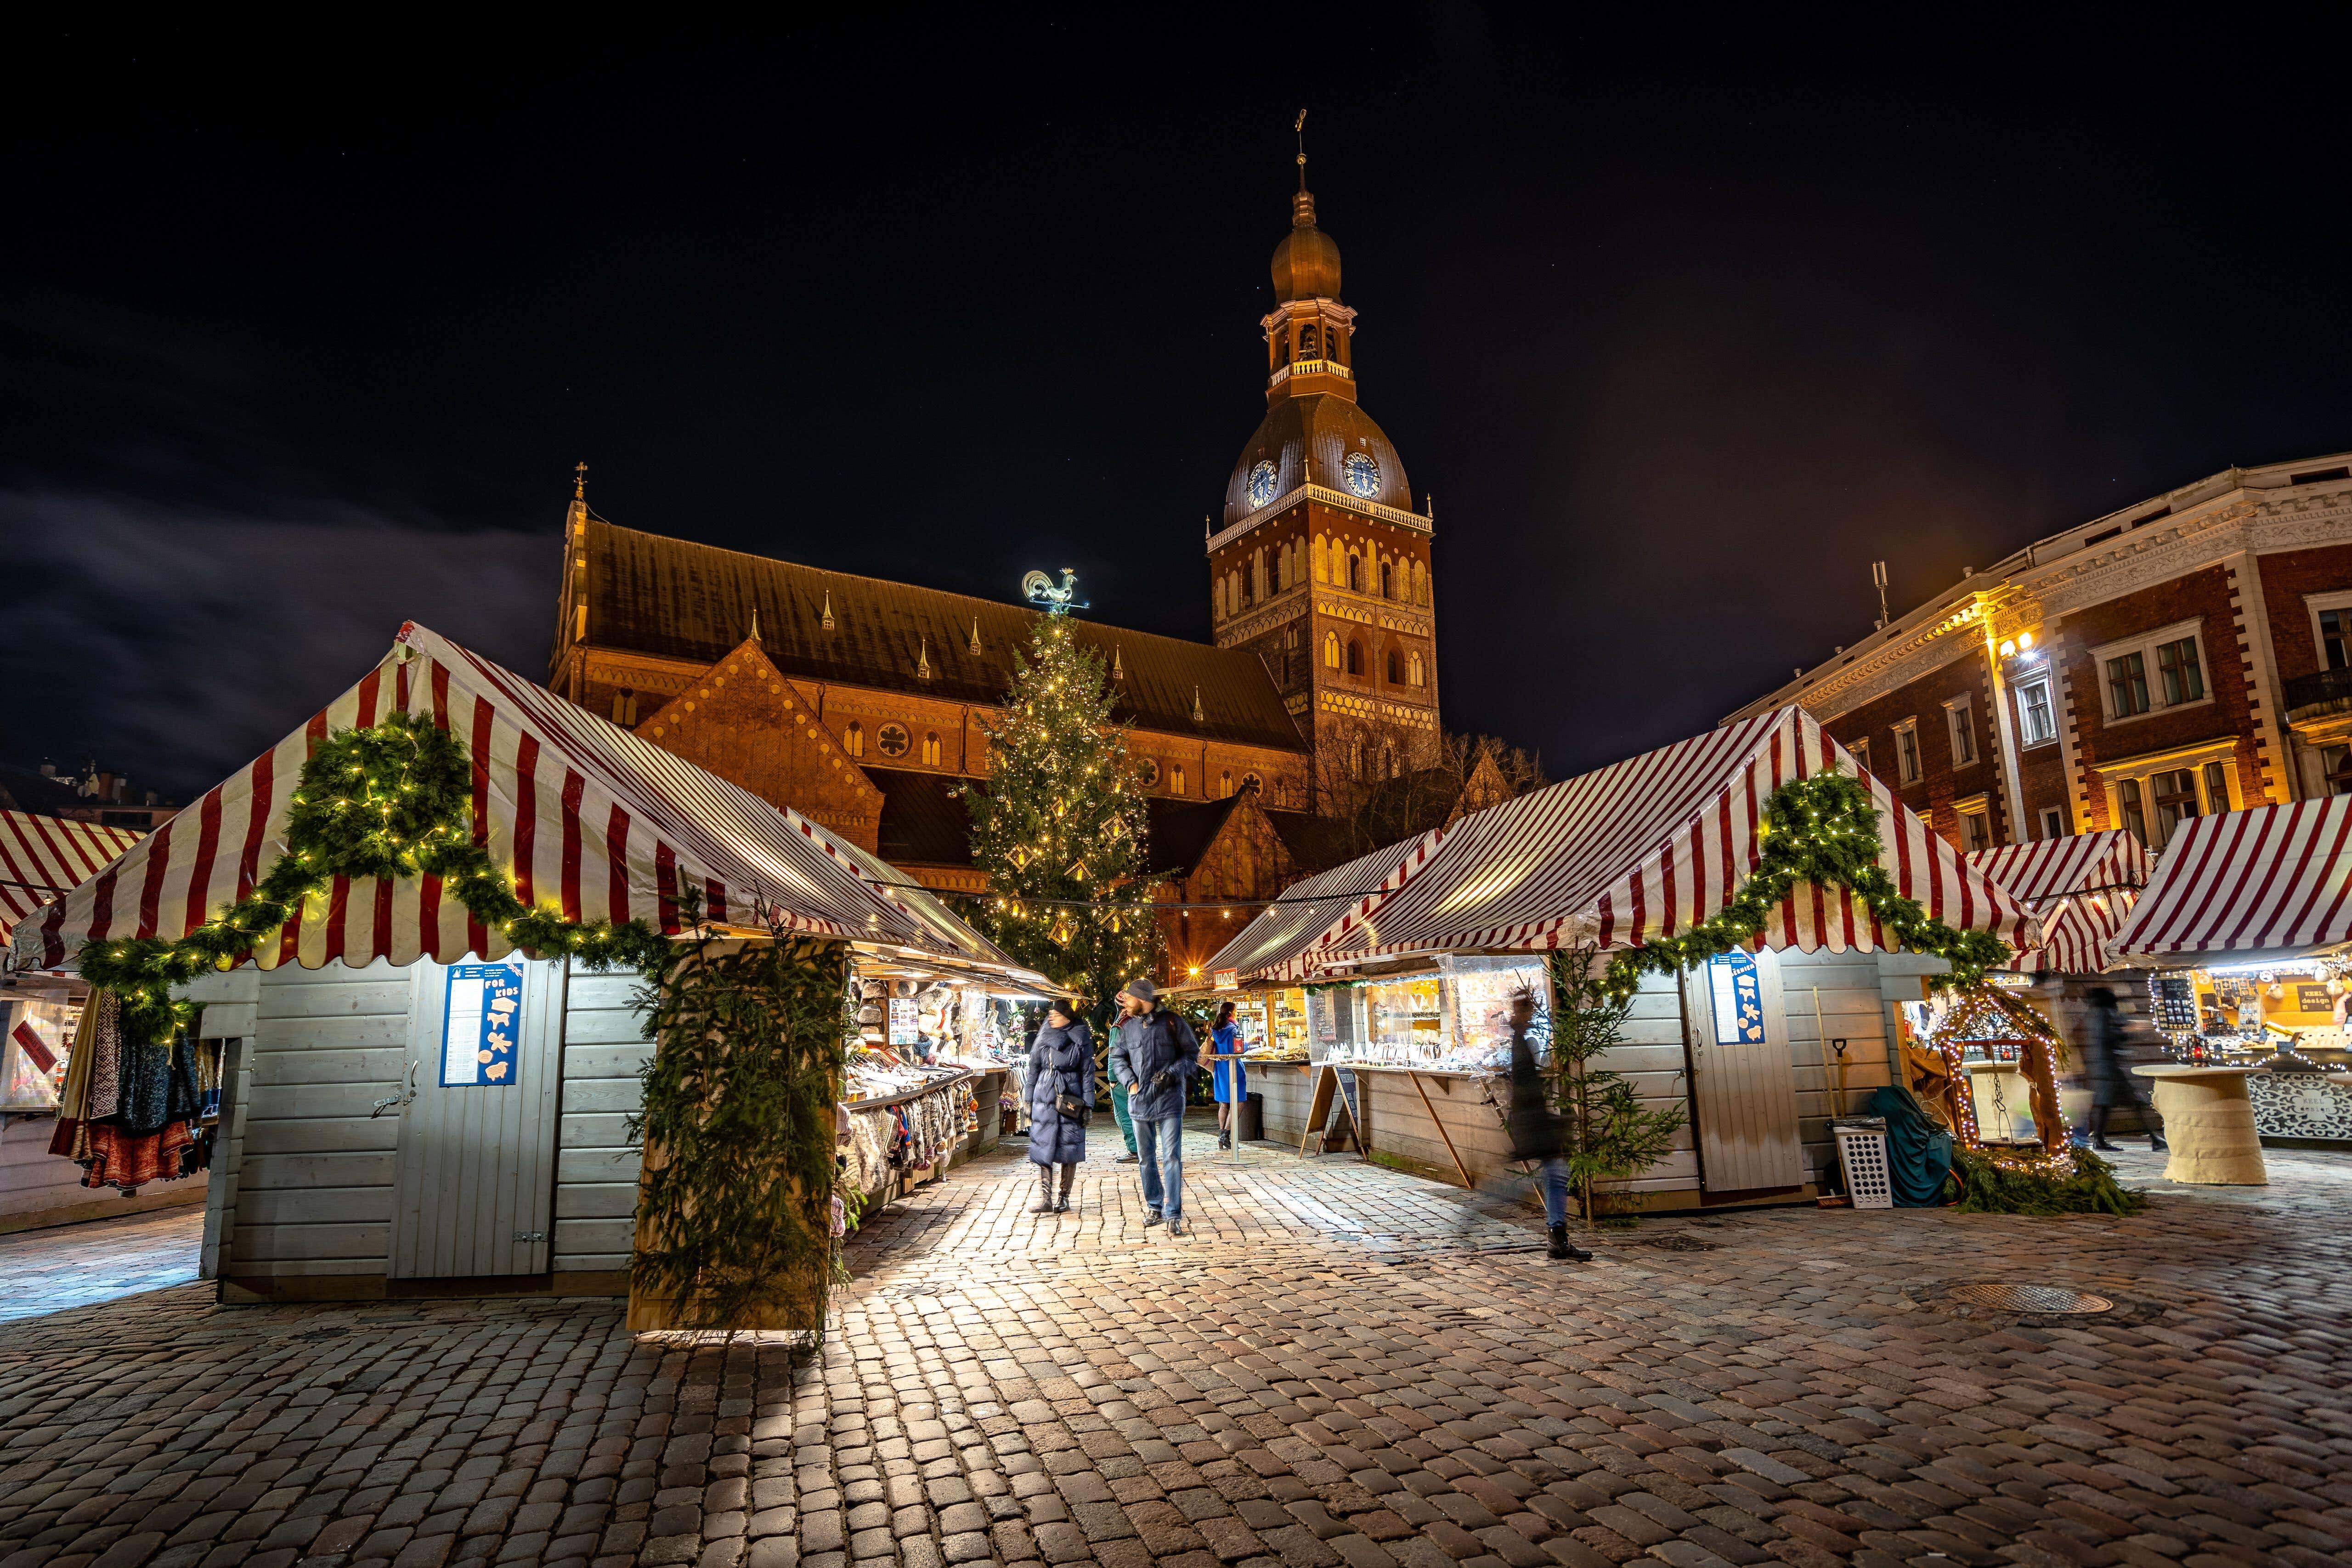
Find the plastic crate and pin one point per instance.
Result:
(1863, 1150)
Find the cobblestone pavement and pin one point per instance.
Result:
(44, 1271)
(1340, 1365)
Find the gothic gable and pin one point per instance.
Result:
(740, 718)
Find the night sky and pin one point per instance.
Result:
(300, 336)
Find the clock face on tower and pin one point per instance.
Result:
(1363, 474)
(1262, 481)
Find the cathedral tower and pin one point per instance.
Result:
(1319, 565)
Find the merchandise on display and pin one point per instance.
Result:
(2287, 1017)
(1457, 1019)
(129, 1113)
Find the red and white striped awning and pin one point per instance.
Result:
(1645, 848)
(588, 817)
(1306, 909)
(43, 859)
(2275, 882)
(2081, 888)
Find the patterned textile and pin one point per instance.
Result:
(119, 1159)
(105, 1060)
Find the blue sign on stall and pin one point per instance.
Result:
(481, 1025)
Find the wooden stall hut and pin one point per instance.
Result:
(2244, 936)
(1751, 1044)
(410, 1104)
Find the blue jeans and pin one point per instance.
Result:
(1553, 1174)
(1118, 1114)
(1160, 1148)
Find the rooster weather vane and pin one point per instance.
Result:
(1039, 588)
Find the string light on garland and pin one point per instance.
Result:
(1822, 830)
(415, 780)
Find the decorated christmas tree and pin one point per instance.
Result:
(1058, 826)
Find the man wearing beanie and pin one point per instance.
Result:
(1154, 1056)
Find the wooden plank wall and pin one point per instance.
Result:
(314, 1172)
(1852, 1009)
(232, 1013)
(1651, 1059)
(595, 1170)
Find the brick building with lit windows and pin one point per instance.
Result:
(2188, 654)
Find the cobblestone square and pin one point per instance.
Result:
(1340, 1364)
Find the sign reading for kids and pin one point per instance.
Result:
(480, 1025)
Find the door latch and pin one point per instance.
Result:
(397, 1102)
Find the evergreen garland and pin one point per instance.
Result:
(1059, 825)
(2071, 1181)
(1822, 830)
(734, 1213)
(391, 801)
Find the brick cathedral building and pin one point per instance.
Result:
(860, 703)
(2188, 655)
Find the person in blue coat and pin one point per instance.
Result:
(1061, 1070)
(1229, 1079)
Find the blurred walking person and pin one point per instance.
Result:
(1228, 1080)
(2112, 1083)
(1061, 1101)
(1540, 1133)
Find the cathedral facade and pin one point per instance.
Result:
(862, 703)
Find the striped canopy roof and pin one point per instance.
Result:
(1647, 848)
(42, 858)
(2275, 880)
(1305, 908)
(2081, 888)
(587, 817)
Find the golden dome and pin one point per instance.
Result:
(1317, 440)
(1307, 262)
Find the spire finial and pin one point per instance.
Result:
(579, 481)
(755, 623)
(1301, 128)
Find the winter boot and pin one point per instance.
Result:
(1044, 1190)
(1562, 1248)
(1224, 1138)
(2099, 1130)
(1062, 1203)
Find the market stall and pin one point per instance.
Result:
(411, 1102)
(1754, 1042)
(41, 858)
(2245, 932)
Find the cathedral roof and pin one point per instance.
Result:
(1306, 261)
(673, 598)
(1308, 439)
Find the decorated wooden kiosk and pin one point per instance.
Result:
(425, 925)
(2244, 934)
(1739, 885)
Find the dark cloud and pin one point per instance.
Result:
(176, 645)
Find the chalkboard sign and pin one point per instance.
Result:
(1348, 1092)
(2310, 998)
(2174, 998)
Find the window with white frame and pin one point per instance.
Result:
(2152, 796)
(2331, 628)
(2053, 822)
(2037, 713)
(1907, 752)
(1860, 747)
(1962, 732)
(2154, 672)
(1975, 823)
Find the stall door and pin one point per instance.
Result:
(1744, 1082)
(475, 1182)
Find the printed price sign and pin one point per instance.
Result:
(1227, 979)
(904, 1029)
(480, 1025)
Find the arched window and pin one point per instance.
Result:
(1396, 668)
(1417, 671)
(1224, 783)
(1322, 561)
(1419, 583)
(1355, 756)
(1355, 657)
(1388, 762)
(852, 739)
(1310, 345)
(931, 748)
(1176, 779)
(1217, 596)
(624, 707)
(1388, 580)
(1331, 650)
(1355, 573)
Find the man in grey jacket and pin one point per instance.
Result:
(1155, 1054)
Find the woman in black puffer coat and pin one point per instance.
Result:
(1061, 1062)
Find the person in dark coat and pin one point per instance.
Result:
(2112, 1083)
(1540, 1133)
(1061, 1063)
(1155, 1054)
